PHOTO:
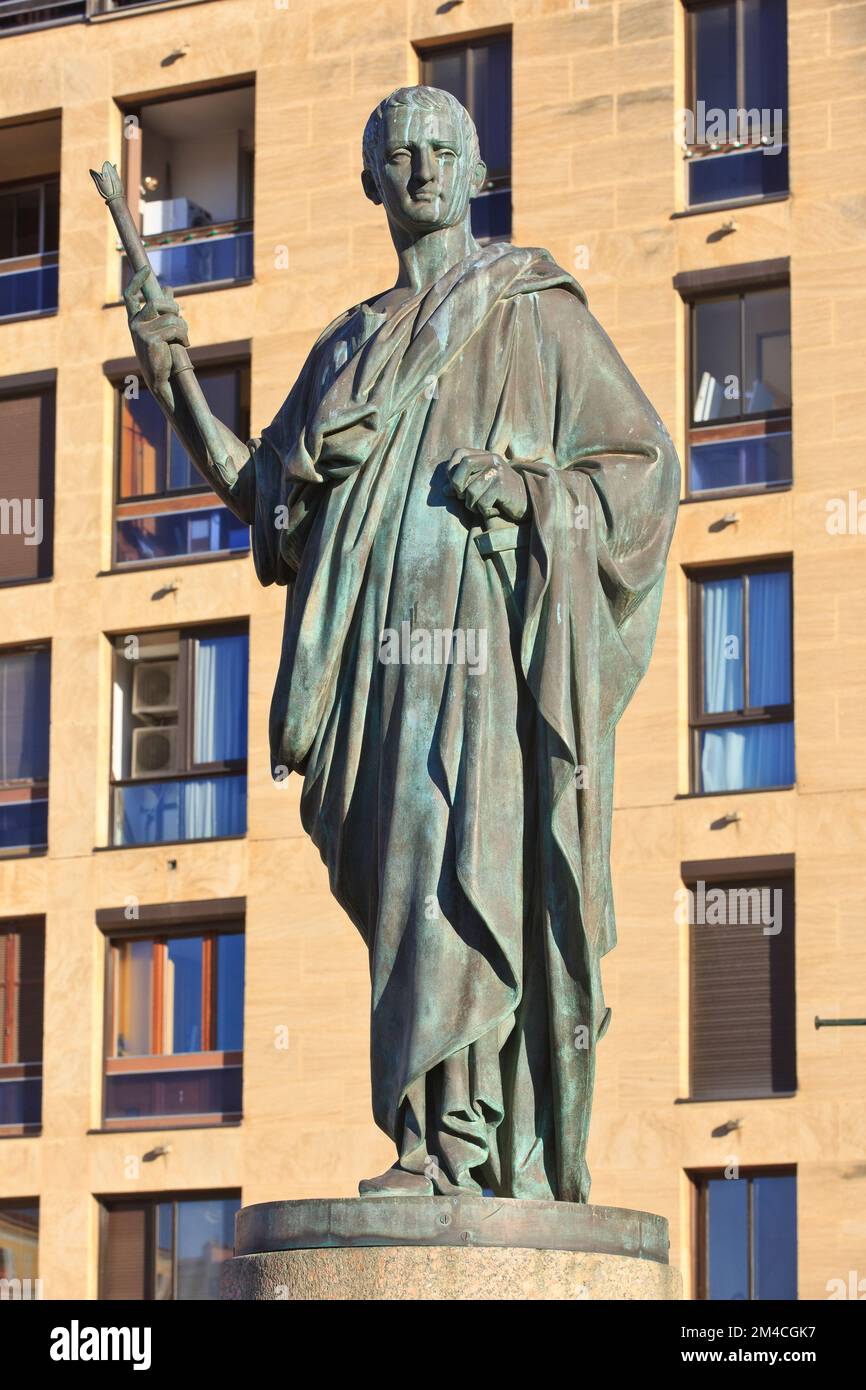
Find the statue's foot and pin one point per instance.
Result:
(396, 1183)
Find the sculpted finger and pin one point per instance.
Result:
(132, 293)
(487, 503)
(482, 480)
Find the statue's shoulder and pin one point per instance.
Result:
(538, 271)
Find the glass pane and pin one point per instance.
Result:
(21, 1102)
(28, 291)
(769, 640)
(491, 104)
(201, 531)
(447, 70)
(163, 1281)
(24, 707)
(723, 645)
(27, 221)
(143, 444)
(221, 390)
(19, 1240)
(7, 226)
(230, 992)
(716, 385)
(714, 42)
(202, 262)
(134, 965)
(728, 1238)
(765, 39)
(205, 1237)
(775, 1236)
(150, 1094)
(183, 995)
(759, 755)
(767, 371)
(220, 731)
(739, 463)
(23, 824)
(491, 215)
(51, 214)
(724, 178)
(192, 809)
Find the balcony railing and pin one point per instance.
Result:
(175, 1087)
(20, 1096)
(217, 254)
(28, 285)
(20, 16)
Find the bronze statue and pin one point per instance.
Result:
(470, 503)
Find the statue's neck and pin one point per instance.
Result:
(424, 261)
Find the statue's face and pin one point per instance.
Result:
(423, 178)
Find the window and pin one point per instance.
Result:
(740, 418)
(166, 1248)
(26, 483)
(29, 217)
(478, 74)
(189, 175)
(165, 510)
(179, 752)
(736, 139)
(747, 1236)
(24, 717)
(175, 1045)
(19, 1245)
(742, 679)
(19, 15)
(741, 982)
(22, 956)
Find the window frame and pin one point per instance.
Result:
(209, 1058)
(130, 175)
(766, 871)
(15, 790)
(150, 1201)
(699, 1179)
(199, 497)
(468, 43)
(12, 1068)
(699, 719)
(745, 426)
(696, 151)
(44, 386)
(187, 638)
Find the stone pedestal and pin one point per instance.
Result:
(448, 1248)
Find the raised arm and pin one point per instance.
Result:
(155, 325)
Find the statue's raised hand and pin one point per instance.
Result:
(487, 484)
(154, 326)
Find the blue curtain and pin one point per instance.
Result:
(759, 755)
(723, 645)
(220, 731)
(769, 639)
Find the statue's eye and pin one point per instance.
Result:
(397, 154)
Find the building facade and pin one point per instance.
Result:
(185, 1009)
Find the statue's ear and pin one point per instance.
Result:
(479, 178)
(368, 183)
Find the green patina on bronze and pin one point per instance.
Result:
(465, 453)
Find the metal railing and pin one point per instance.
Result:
(22, 16)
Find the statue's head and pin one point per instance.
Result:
(421, 159)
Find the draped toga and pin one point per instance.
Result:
(464, 813)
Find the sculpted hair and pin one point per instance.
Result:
(426, 99)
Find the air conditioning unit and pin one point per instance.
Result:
(154, 750)
(154, 687)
